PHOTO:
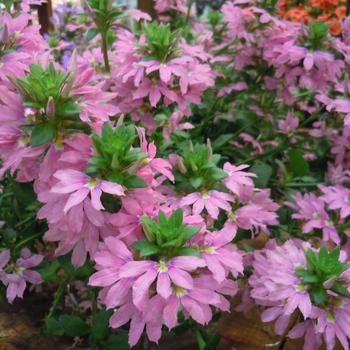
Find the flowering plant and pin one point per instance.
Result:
(142, 160)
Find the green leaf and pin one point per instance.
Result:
(48, 271)
(190, 231)
(100, 324)
(134, 181)
(213, 342)
(74, 326)
(263, 171)
(70, 109)
(188, 251)
(200, 340)
(54, 327)
(222, 140)
(146, 248)
(319, 295)
(176, 218)
(299, 166)
(150, 228)
(196, 182)
(117, 342)
(91, 34)
(162, 219)
(340, 289)
(42, 134)
(307, 276)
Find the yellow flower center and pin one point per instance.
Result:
(162, 266)
(180, 292)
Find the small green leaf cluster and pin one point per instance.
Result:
(197, 168)
(104, 14)
(54, 110)
(161, 42)
(167, 236)
(317, 34)
(323, 273)
(116, 159)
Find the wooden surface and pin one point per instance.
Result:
(147, 6)
(44, 16)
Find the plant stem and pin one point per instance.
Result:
(58, 296)
(189, 10)
(25, 241)
(105, 51)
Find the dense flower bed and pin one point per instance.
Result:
(141, 159)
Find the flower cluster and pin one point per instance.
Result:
(331, 12)
(293, 278)
(173, 74)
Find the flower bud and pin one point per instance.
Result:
(181, 165)
(210, 149)
(50, 108)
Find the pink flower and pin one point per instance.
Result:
(289, 124)
(220, 256)
(159, 165)
(212, 201)
(237, 178)
(149, 318)
(128, 219)
(337, 197)
(312, 209)
(21, 273)
(173, 271)
(139, 15)
(275, 284)
(80, 185)
(313, 340)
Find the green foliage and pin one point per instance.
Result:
(161, 42)
(104, 14)
(96, 331)
(263, 171)
(317, 34)
(323, 273)
(299, 166)
(54, 111)
(116, 159)
(166, 236)
(18, 207)
(198, 170)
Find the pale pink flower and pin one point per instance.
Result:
(220, 256)
(80, 185)
(212, 201)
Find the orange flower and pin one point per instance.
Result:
(316, 3)
(335, 26)
(340, 12)
(297, 14)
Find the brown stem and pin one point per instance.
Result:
(105, 51)
(284, 337)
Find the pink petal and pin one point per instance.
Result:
(76, 198)
(141, 287)
(163, 285)
(180, 278)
